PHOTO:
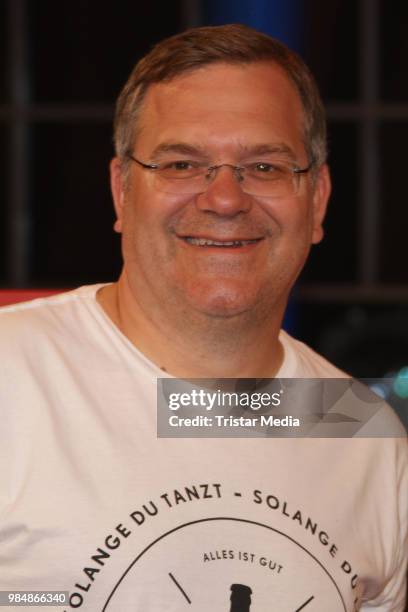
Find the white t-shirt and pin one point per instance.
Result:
(93, 503)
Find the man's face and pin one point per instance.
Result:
(222, 114)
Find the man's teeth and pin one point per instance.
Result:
(220, 243)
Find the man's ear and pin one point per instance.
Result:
(322, 190)
(118, 191)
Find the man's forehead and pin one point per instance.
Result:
(224, 81)
(239, 98)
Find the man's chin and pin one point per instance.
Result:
(223, 305)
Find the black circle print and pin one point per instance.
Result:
(176, 569)
(240, 598)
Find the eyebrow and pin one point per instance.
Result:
(177, 147)
(263, 149)
(184, 148)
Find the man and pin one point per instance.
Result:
(220, 188)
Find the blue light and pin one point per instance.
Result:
(283, 19)
(401, 383)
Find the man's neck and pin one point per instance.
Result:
(187, 347)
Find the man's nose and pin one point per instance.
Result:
(224, 194)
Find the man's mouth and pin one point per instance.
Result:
(207, 242)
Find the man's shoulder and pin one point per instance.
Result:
(24, 321)
(375, 417)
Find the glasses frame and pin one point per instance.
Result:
(211, 169)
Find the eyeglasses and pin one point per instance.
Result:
(277, 179)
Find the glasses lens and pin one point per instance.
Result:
(181, 170)
(269, 179)
(181, 184)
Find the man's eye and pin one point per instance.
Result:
(179, 165)
(265, 168)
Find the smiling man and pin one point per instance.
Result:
(225, 204)
(220, 187)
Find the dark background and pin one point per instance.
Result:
(62, 65)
